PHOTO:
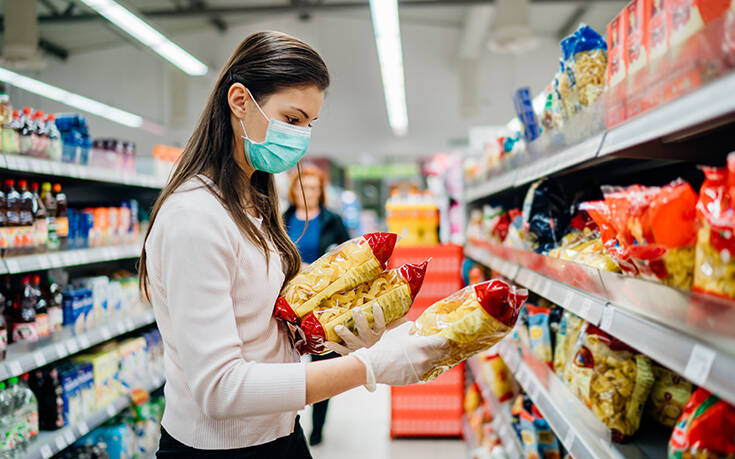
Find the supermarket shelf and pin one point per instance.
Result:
(49, 443)
(24, 357)
(29, 165)
(468, 437)
(42, 261)
(582, 434)
(501, 413)
(690, 333)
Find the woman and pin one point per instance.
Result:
(216, 256)
(323, 231)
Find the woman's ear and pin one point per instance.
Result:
(237, 97)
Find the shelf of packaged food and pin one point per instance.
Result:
(65, 258)
(49, 443)
(691, 333)
(468, 437)
(24, 357)
(582, 434)
(30, 165)
(691, 111)
(501, 412)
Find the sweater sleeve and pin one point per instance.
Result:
(196, 271)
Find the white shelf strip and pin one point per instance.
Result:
(76, 257)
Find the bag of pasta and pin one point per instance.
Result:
(349, 264)
(589, 62)
(669, 396)
(714, 271)
(705, 429)
(394, 291)
(472, 320)
(569, 328)
(612, 379)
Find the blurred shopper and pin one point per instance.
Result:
(324, 230)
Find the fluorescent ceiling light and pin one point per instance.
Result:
(144, 33)
(388, 42)
(69, 98)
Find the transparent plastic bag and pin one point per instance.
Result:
(472, 320)
(394, 291)
(356, 261)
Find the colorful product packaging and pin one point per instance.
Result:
(616, 70)
(705, 429)
(540, 333)
(669, 396)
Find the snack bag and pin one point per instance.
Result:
(498, 374)
(669, 396)
(611, 379)
(342, 268)
(472, 399)
(569, 328)
(546, 215)
(472, 320)
(714, 271)
(528, 435)
(548, 445)
(705, 429)
(540, 333)
(394, 291)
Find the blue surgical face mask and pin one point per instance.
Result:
(282, 149)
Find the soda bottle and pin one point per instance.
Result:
(40, 220)
(54, 305)
(40, 134)
(46, 385)
(50, 202)
(24, 323)
(29, 408)
(55, 148)
(62, 222)
(12, 214)
(26, 131)
(7, 422)
(42, 319)
(27, 237)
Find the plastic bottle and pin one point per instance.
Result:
(40, 220)
(46, 385)
(54, 305)
(62, 222)
(7, 422)
(3, 335)
(40, 133)
(29, 408)
(27, 236)
(42, 319)
(9, 135)
(54, 148)
(50, 202)
(24, 322)
(12, 214)
(26, 131)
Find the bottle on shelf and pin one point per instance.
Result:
(3, 334)
(54, 305)
(49, 202)
(40, 220)
(29, 408)
(4, 241)
(7, 422)
(26, 131)
(12, 216)
(55, 148)
(42, 319)
(27, 236)
(41, 135)
(46, 385)
(24, 317)
(62, 222)
(9, 136)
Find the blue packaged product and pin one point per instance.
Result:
(85, 374)
(117, 438)
(73, 408)
(548, 445)
(539, 332)
(524, 110)
(73, 219)
(528, 436)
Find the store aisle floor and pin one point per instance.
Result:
(358, 427)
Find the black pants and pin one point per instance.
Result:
(319, 409)
(289, 447)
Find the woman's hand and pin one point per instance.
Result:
(400, 358)
(366, 336)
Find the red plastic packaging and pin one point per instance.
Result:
(706, 428)
(500, 301)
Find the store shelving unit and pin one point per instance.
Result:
(24, 357)
(49, 443)
(68, 258)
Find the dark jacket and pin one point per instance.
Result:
(333, 231)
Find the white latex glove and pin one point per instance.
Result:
(399, 358)
(365, 337)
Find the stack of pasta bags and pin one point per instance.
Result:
(353, 275)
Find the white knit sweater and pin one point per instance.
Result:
(232, 377)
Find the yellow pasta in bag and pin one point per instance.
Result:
(394, 291)
(342, 268)
(472, 320)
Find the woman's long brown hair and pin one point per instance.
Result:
(265, 63)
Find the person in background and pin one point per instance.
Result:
(324, 231)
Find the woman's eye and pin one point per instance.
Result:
(291, 120)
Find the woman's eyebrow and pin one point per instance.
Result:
(303, 113)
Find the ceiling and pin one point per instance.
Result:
(67, 26)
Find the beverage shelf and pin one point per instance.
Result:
(30, 165)
(49, 443)
(24, 357)
(62, 259)
(688, 332)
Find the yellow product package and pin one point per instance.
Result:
(669, 396)
(346, 266)
(472, 320)
(569, 328)
(393, 291)
(612, 379)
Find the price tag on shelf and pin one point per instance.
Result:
(699, 364)
(13, 265)
(15, 367)
(111, 411)
(46, 452)
(120, 328)
(584, 311)
(608, 314)
(39, 358)
(69, 437)
(569, 438)
(84, 341)
(72, 346)
(83, 428)
(106, 333)
(546, 288)
(60, 442)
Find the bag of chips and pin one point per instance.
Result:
(612, 379)
(669, 396)
(394, 291)
(705, 429)
(346, 266)
(714, 271)
(472, 320)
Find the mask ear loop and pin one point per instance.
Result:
(306, 208)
